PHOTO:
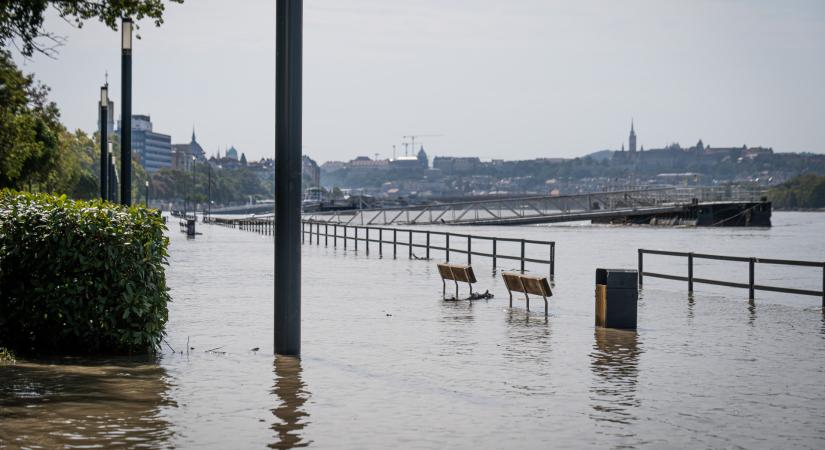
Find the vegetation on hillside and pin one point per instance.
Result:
(803, 192)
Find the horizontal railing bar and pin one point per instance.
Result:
(721, 283)
(786, 262)
(721, 257)
(787, 290)
(663, 252)
(665, 276)
(790, 262)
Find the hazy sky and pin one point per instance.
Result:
(516, 80)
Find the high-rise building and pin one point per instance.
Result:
(153, 149)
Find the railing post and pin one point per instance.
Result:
(495, 244)
(394, 243)
(335, 237)
(823, 285)
(552, 260)
(303, 231)
(690, 272)
(411, 253)
(428, 246)
(380, 243)
(641, 267)
(326, 234)
(346, 237)
(317, 234)
(356, 238)
(447, 246)
(751, 274)
(367, 241)
(522, 256)
(469, 250)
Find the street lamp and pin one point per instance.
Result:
(194, 203)
(126, 112)
(104, 139)
(288, 126)
(147, 193)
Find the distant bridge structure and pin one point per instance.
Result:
(716, 206)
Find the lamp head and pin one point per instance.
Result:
(104, 95)
(126, 35)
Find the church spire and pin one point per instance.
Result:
(193, 133)
(632, 140)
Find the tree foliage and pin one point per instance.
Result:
(803, 192)
(22, 21)
(29, 128)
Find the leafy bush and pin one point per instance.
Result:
(80, 277)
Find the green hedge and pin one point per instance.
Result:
(80, 277)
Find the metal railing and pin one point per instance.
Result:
(751, 285)
(352, 235)
(500, 211)
(362, 234)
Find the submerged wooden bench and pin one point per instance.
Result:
(456, 273)
(527, 284)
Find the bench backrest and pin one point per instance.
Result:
(457, 272)
(528, 284)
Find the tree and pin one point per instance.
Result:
(22, 21)
(29, 128)
(243, 159)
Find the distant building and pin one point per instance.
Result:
(153, 149)
(182, 154)
(632, 141)
(405, 163)
(423, 161)
(311, 171)
(333, 166)
(452, 164)
(364, 163)
(232, 153)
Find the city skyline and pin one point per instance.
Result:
(550, 80)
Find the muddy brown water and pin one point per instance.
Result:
(387, 363)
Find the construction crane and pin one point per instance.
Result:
(412, 138)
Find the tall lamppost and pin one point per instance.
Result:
(194, 202)
(288, 110)
(104, 140)
(126, 112)
(147, 193)
(112, 177)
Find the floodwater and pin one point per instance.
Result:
(387, 363)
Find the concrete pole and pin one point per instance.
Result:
(288, 110)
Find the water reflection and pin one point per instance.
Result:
(292, 394)
(615, 366)
(690, 304)
(528, 338)
(751, 312)
(82, 403)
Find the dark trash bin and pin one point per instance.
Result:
(617, 295)
(190, 227)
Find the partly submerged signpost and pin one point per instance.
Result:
(288, 74)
